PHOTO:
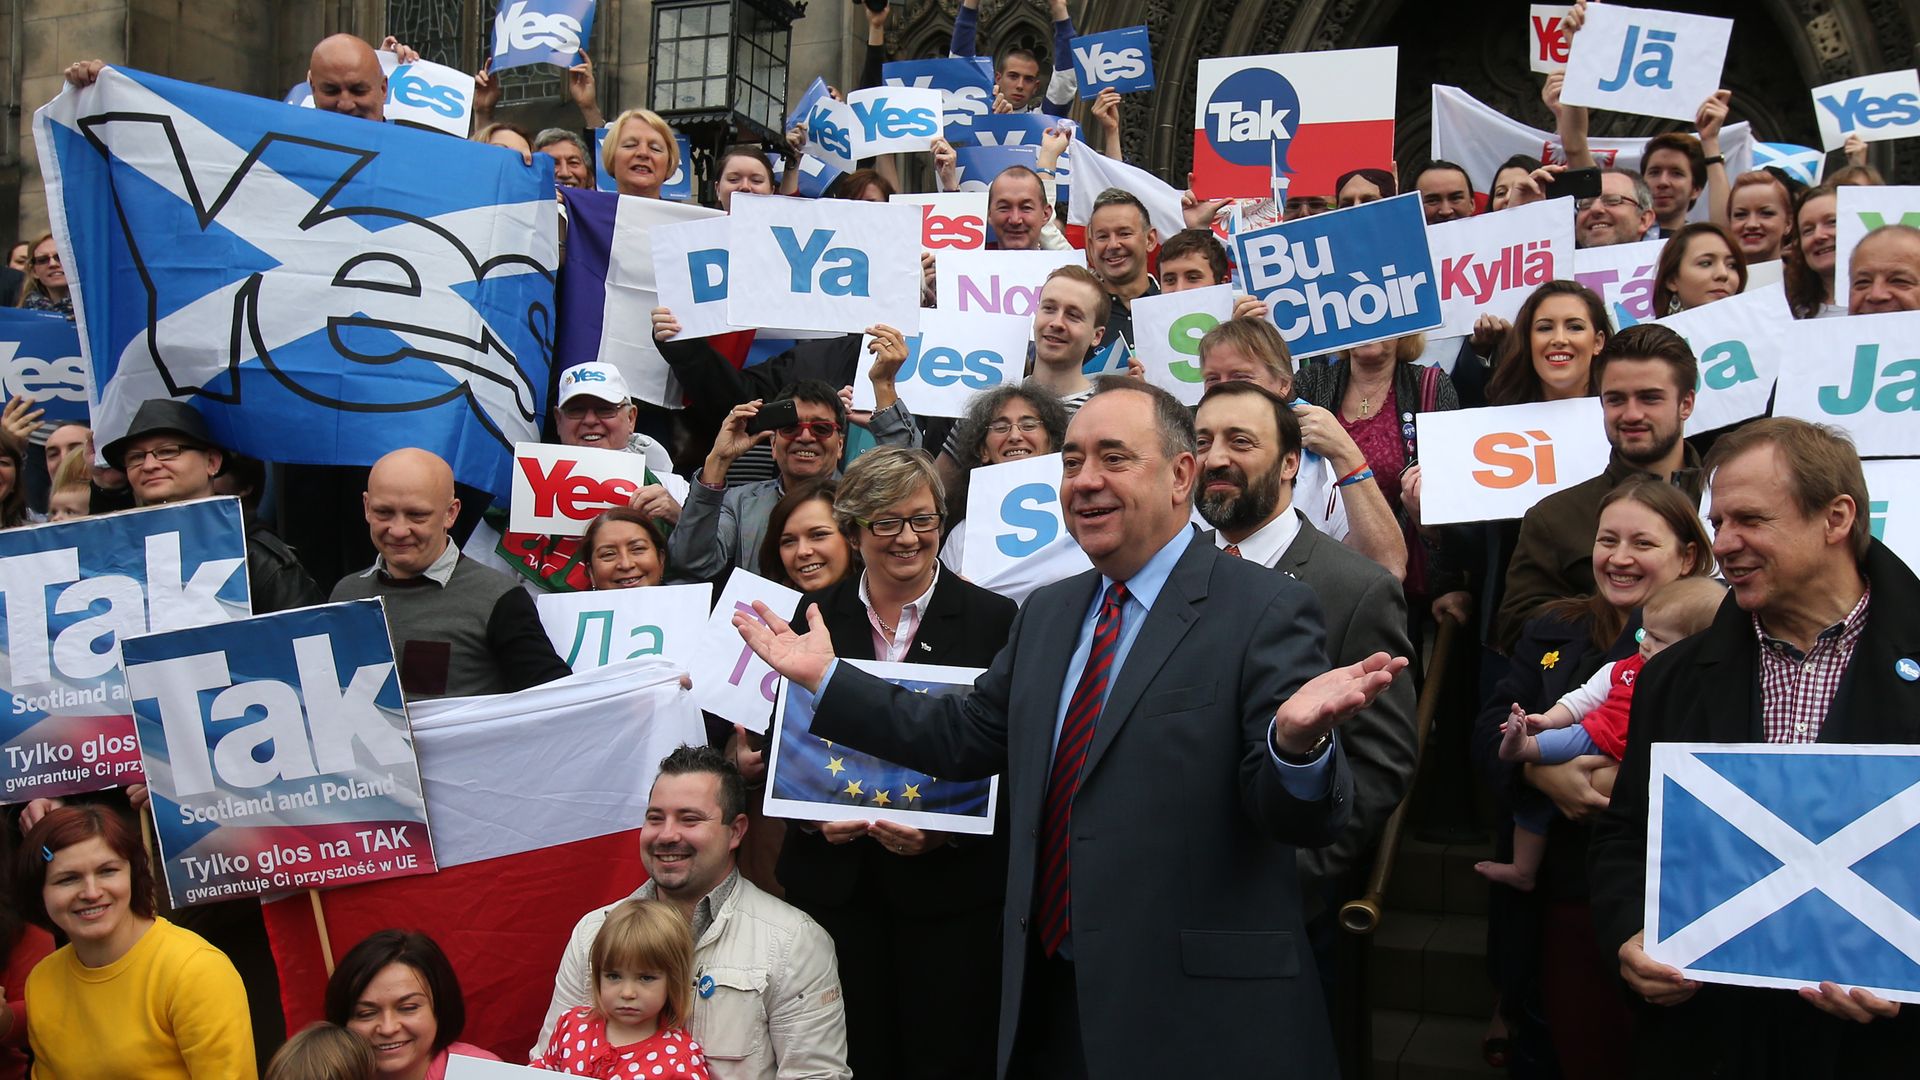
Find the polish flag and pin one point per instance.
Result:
(1309, 116)
(536, 799)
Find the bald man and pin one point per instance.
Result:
(1884, 273)
(344, 74)
(458, 628)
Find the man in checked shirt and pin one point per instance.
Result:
(1819, 642)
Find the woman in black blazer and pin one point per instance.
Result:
(915, 916)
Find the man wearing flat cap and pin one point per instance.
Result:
(169, 457)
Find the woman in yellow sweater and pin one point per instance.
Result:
(133, 994)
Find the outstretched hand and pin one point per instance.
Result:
(802, 658)
(1329, 698)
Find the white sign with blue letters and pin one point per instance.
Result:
(1874, 107)
(1860, 374)
(965, 85)
(952, 358)
(1739, 343)
(828, 264)
(1016, 532)
(1650, 63)
(605, 626)
(431, 95)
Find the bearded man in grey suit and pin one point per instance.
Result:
(1166, 725)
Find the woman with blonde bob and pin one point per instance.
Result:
(640, 152)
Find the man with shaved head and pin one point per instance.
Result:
(1884, 273)
(458, 628)
(344, 74)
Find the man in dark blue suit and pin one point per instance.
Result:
(1166, 726)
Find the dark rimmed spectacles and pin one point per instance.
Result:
(922, 523)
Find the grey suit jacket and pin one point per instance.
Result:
(1186, 904)
(1366, 612)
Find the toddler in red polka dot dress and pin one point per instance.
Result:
(643, 982)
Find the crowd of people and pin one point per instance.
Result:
(1201, 740)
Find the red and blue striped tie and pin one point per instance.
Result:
(1076, 735)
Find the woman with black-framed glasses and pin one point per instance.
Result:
(899, 901)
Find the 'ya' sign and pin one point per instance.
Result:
(1167, 329)
(1338, 280)
(1654, 63)
(540, 32)
(1860, 373)
(829, 264)
(1493, 464)
(559, 490)
(73, 592)
(594, 629)
(40, 360)
(278, 753)
(1874, 107)
(952, 358)
(1121, 60)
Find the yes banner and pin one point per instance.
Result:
(1121, 60)
(1346, 278)
(1015, 536)
(1493, 464)
(1490, 263)
(1786, 865)
(1859, 373)
(606, 310)
(1740, 343)
(728, 680)
(321, 288)
(1548, 33)
(965, 85)
(874, 121)
(429, 95)
(829, 264)
(540, 32)
(997, 282)
(1893, 505)
(40, 359)
(607, 626)
(952, 358)
(1653, 63)
(950, 221)
(1167, 328)
(73, 593)
(559, 490)
(811, 779)
(1304, 118)
(1622, 276)
(278, 753)
(1874, 107)
(1859, 209)
(1480, 137)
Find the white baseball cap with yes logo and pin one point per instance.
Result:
(596, 380)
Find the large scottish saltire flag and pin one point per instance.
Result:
(324, 289)
(1786, 866)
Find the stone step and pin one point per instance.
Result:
(1423, 962)
(1411, 1046)
(1438, 878)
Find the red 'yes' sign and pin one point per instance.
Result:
(557, 490)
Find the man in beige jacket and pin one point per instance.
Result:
(764, 973)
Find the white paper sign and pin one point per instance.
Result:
(1547, 34)
(1167, 329)
(824, 264)
(594, 629)
(558, 490)
(952, 358)
(1623, 276)
(1858, 373)
(1859, 209)
(951, 221)
(728, 679)
(1493, 464)
(626, 335)
(432, 95)
(1016, 533)
(1739, 343)
(1652, 63)
(461, 1067)
(895, 119)
(690, 268)
(1490, 264)
(997, 282)
(1874, 107)
(1893, 505)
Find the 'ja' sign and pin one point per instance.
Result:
(1654, 63)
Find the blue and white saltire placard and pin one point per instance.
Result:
(72, 592)
(1346, 278)
(1786, 865)
(811, 779)
(1017, 129)
(278, 754)
(40, 360)
(1803, 163)
(829, 264)
(816, 176)
(1651, 63)
(1118, 59)
(1874, 107)
(606, 310)
(540, 32)
(322, 288)
(965, 84)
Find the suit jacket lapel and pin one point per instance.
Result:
(847, 620)
(1295, 558)
(943, 622)
(1730, 662)
(1173, 614)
